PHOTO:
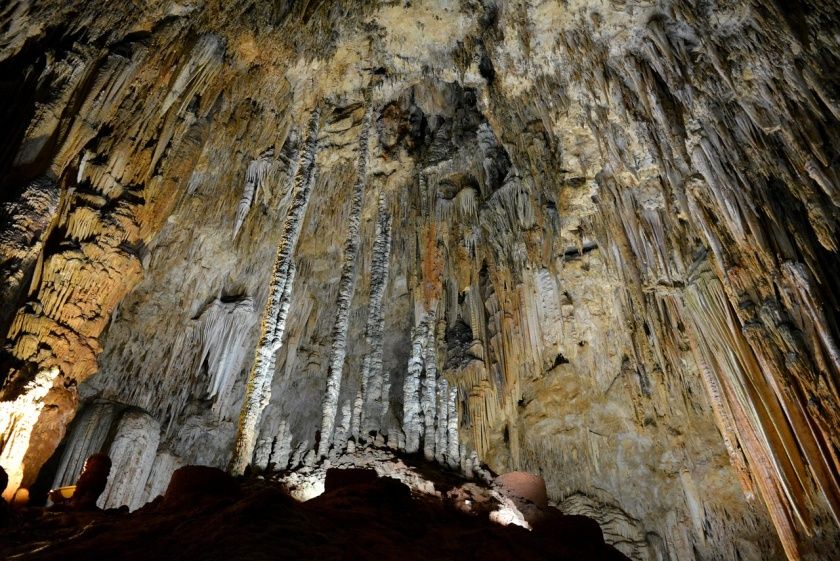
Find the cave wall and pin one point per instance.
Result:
(590, 239)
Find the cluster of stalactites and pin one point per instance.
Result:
(256, 175)
(757, 427)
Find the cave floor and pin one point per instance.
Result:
(367, 518)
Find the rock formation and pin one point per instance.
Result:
(594, 240)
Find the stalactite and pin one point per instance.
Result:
(665, 132)
(192, 76)
(374, 388)
(758, 426)
(346, 285)
(726, 423)
(258, 390)
(21, 243)
(211, 350)
(224, 330)
(256, 175)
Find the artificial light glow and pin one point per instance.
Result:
(17, 419)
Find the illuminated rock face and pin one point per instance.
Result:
(590, 240)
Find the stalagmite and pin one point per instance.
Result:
(163, 467)
(442, 420)
(342, 429)
(346, 285)
(374, 388)
(282, 451)
(258, 390)
(428, 396)
(356, 421)
(453, 442)
(412, 419)
(262, 453)
(132, 454)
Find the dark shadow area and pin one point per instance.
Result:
(210, 516)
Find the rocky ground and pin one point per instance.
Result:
(207, 515)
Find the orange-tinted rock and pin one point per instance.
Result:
(524, 485)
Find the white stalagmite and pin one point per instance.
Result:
(442, 422)
(428, 395)
(133, 455)
(342, 430)
(282, 452)
(163, 467)
(356, 423)
(453, 454)
(346, 284)
(255, 176)
(258, 391)
(374, 389)
(262, 453)
(300, 451)
(412, 423)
